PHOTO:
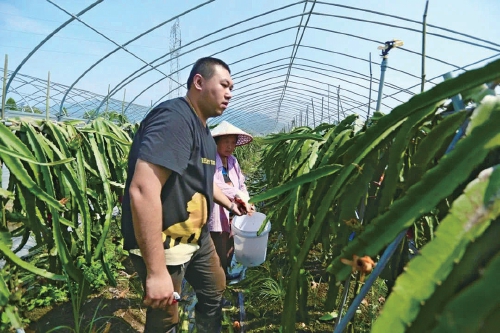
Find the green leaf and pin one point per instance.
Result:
(19, 172)
(98, 148)
(14, 154)
(284, 137)
(27, 266)
(329, 316)
(4, 292)
(122, 140)
(469, 216)
(436, 184)
(303, 179)
(465, 272)
(396, 154)
(468, 311)
(6, 194)
(13, 316)
(433, 142)
(40, 145)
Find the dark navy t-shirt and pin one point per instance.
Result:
(172, 136)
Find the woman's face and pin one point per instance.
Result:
(226, 145)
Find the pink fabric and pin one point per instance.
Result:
(219, 221)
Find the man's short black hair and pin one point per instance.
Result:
(205, 67)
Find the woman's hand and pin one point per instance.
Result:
(243, 206)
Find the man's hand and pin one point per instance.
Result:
(159, 290)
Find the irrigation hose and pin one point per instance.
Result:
(389, 251)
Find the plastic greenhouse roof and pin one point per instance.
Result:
(293, 62)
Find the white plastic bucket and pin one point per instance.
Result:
(249, 249)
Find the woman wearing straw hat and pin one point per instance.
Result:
(230, 179)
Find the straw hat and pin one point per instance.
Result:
(225, 128)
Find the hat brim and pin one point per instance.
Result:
(243, 139)
(225, 128)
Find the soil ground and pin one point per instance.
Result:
(120, 309)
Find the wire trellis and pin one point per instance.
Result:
(30, 94)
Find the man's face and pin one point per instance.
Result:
(216, 92)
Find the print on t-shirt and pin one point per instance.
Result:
(188, 231)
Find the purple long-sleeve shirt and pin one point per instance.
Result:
(219, 221)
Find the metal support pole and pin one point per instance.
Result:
(338, 105)
(47, 107)
(307, 115)
(370, 92)
(107, 99)
(383, 68)
(329, 117)
(424, 33)
(314, 118)
(321, 109)
(4, 91)
(123, 102)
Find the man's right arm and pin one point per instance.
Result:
(145, 200)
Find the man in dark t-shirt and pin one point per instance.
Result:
(168, 198)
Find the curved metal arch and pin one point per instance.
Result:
(441, 75)
(46, 39)
(297, 66)
(289, 104)
(267, 98)
(351, 100)
(388, 84)
(240, 88)
(240, 97)
(283, 66)
(410, 29)
(239, 117)
(123, 83)
(378, 42)
(345, 99)
(293, 97)
(322, 29)
(236, 75)
(365, 60)
(344, 89)
(253, 122)
(229, 48)
(296, 46)
(343, 54)
(246, 115)
(408, 20)
(332, 97)
(221, 39)
(259, 54)
(360, 76)
(260, 92)
(122, 47)
(345, 69)
(294, 88)
(262, 71)
(262, 86)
